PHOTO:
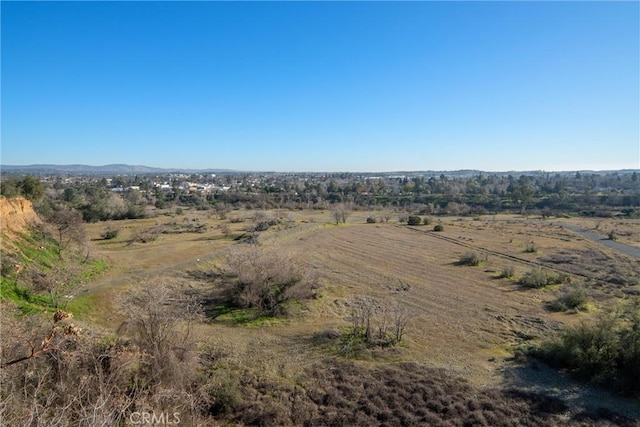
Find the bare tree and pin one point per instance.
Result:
(362, 311)
(378, 323)
(340, 212)
(68, 227)
(159, 319)
(225, 229)
(401, 317)
(54, 282)
(385, 216)
(87, 380)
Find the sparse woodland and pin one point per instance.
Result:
(317, 300)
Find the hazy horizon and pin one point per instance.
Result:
(322, 87)
(153, 169)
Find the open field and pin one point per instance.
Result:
(465, 319)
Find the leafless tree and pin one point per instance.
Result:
(225, 229)
(373, 320)
(340, 212)
(160, 321)
(363, 310)
(68, 226)
(53, 375)
(401, 316)
(55, 281)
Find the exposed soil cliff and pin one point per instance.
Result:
(16, 214)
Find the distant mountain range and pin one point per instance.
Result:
(46, 169)
(99, 170)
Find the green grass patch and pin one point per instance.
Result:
(242, 316)
(238, 316)
(350, 345)
(43, 253)
(80, 306)
(24, 299)
(39, 252)
(93, 269)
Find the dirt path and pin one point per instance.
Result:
(127, 275)
(617, 246)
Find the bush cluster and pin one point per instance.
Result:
(531, 247)
(470, 258)
(414, 220)
(266, 281)
(28, 186)
(343, 393)
(110, 233)
(604, 352)
(507, 272)
(573, 296)
(537, 277)
(77, 378)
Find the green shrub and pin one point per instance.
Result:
(160, 203)
(539, 278)
(531, 247)
(438, 227)
(604, 352)
(507, 272)
(371, 220)
(224, 391)
(469, 258)
(572, 297)
(351, 344)
(414, 220)
(427, 221)
(110, 233)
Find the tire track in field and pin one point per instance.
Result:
(449, 300)
(455, 308)
(400, 256)
(435, 235)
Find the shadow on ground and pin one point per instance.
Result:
(536, 378)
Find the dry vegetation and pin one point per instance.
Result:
(227, 349)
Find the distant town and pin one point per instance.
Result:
(463, 192)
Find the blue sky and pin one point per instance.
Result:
(322, 86)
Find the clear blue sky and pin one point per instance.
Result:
(323, 86)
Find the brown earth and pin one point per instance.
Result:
(466, 319)
(16, 214)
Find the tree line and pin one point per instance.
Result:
(588, 194)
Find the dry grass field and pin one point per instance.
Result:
(465, 319)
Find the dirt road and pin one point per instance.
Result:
(620, 247)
